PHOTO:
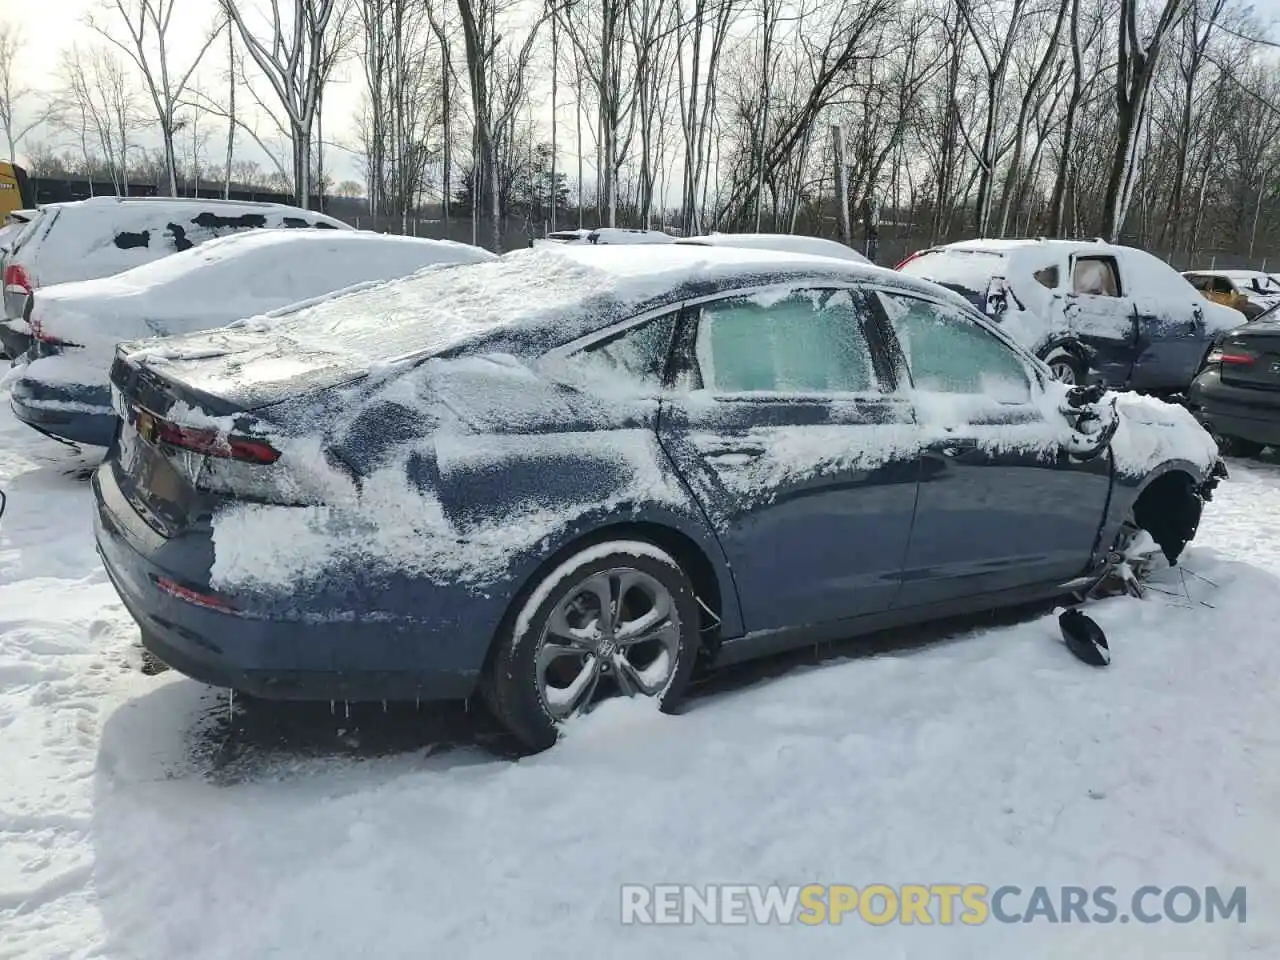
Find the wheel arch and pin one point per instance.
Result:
(1167, 501)
(697, 553)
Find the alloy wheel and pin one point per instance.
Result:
(620, 624)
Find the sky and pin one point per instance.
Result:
(49, 27)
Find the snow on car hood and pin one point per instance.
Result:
(1152, 432)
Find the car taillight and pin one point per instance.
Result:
(214, 443)
(1235, 356)
(17, 280)
(210, 601)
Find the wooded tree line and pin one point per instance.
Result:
(1154, 121)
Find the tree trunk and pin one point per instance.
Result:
(1058, 203)
(842, 186)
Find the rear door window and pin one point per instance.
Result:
(1095, 277)
(810, 342)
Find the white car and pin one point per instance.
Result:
(782, 242)
(64, 391)
(86, 239)
(1092, 311)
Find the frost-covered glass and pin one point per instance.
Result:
(804, 342)
(639, 354)
(948, 352)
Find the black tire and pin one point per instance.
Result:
(1067, 360)
(513, 686)
(1238, 447)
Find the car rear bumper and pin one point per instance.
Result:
(364, 656)
(1231, 411)
(81, 414)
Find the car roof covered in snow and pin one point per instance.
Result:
(533, 300)
(1229, 274)
(794, 243)
(1039, 243)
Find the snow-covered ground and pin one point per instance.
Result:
(137, 821)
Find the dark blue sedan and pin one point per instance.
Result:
(579, 471)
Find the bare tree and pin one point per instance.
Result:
(296, 52)
(1135, 68)
(13, 94)
(498, 79)
(147, 23)
(98, 105)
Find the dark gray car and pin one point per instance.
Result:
(580, 469)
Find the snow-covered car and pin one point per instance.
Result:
(1092, 311)
(87, 239)
(814, 246)
(604, 236)
(13, 224)
(65, 389)
(1249, 291)
(581, 468)
(578, 235)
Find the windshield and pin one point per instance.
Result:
(1258, 282)
(969, 269)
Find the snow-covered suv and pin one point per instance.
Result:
(88, 239)
(1092, 311)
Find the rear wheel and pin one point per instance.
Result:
(1066, 366)
(619, 617)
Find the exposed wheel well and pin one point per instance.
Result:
(1169, 509)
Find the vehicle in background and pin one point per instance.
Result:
(786, 242)
(568, 236)
(14, 337)
(1237, 393)
(578, 470)
(87, 239)
(1093, 311)
(65, 391)
(1249, 291)
(12, 224)
(604, 236)
(15, 189)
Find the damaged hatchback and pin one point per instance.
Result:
(583, 471)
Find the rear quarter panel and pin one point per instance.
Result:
(459, 479)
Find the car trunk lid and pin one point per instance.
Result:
(187, 437)
(1251, 355)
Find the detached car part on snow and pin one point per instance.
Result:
(575, 469)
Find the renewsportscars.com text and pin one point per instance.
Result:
(965, 904)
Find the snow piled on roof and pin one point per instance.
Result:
(228, 279)
(555, 284)
(783, 242)
(82, 244)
